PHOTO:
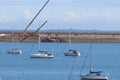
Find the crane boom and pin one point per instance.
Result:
(35, 31)
(40, 27)
(34, 18)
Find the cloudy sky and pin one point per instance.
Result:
(61, 14)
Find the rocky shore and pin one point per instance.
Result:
(63, 37)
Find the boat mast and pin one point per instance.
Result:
(39, 41)
(39, 33)
(88, 53)
(69, 40)
(91, 58)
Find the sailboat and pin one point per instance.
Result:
(93, 75)
(71, 52)
(41, 54)
(14, 50)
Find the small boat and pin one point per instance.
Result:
(14, 51)
(72, 53)
(42, 54)
(93, 75)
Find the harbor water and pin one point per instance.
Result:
(105, 57)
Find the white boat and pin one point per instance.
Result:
(42, 54)
(92, 75)
(71, 52)
(14, 51)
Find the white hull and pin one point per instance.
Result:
(39, 55)
(14, 51)
(93, 77)
(72, 53)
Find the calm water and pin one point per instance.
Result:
(106, 57)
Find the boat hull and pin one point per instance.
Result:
(16, 51)
(94, 77)
(71, 53)
(41, 56)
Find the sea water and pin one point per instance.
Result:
(105, 57)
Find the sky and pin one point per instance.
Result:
(61, 14)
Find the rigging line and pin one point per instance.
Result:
(70, 73)
(86, 58)
(32, 47)
(73, 62)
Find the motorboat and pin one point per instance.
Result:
(71, 52)
(14, 51)
(42, 54)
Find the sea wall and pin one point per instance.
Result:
(63, 36)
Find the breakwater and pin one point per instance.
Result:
(63, 37)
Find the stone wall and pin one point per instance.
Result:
(64, 36)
